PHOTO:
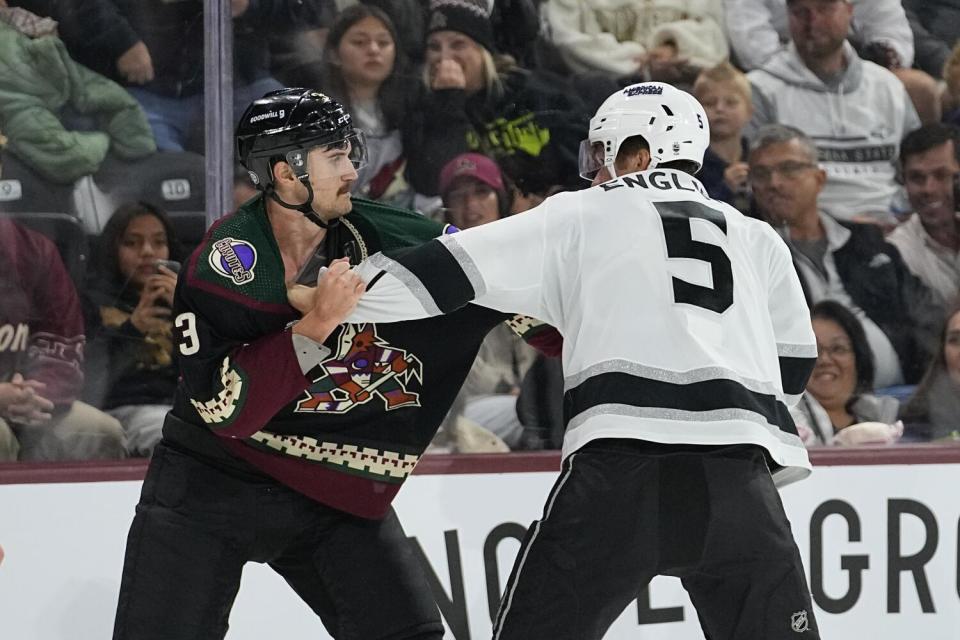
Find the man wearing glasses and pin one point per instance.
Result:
(847, 262)
(856, 110)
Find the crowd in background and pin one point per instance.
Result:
(835, 121)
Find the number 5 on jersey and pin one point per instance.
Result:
(189, 342)
(676, 217)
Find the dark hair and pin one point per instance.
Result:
(540, 175)
(919, 401)
(927, 137)
(112, 236)
(394, 94)
(862, 354)
(636, 144)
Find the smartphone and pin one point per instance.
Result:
(173, 265)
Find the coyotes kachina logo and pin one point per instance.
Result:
(364, 367)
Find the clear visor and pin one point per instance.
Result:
(591, 159)
(331, 159)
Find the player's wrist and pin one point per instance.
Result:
(317, 329)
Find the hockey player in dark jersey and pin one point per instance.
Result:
(290, 435)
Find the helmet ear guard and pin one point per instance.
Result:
(671, 121)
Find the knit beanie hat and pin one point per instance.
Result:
(469, 17)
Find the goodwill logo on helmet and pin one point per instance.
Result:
(268, 114)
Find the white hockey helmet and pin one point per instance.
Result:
(672, 122)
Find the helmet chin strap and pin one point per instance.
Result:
(305, 208)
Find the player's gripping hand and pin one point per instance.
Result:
(300, 297)
(338, 290)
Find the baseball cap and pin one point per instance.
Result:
(471, 165)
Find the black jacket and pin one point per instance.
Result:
(98, 32)
(535, 113)
(124, 366)
(879, 283)
(935, 25)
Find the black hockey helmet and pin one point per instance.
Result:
(292, 120)
(283, 126)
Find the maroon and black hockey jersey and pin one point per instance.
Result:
(350, 431)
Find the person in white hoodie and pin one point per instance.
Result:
(855, 110)
(880, 31)
(667, 40)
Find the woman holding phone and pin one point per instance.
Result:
(130, 370)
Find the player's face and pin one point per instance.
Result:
(464, 50)
(928, 177)
(143, 243)
(728, 111)
(834, 377)
(951, 348)
(366, 53)
(819, 27)
(471, 203)
(332, 174)
(785, 182)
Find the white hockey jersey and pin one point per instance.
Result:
(683, 321)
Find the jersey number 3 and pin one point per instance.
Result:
(676, 217)
(186, 323)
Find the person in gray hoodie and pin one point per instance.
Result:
(855, 110)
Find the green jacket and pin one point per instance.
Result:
(37, 79)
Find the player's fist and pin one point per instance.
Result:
(338, 290)
(300, 297)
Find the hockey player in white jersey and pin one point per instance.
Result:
(686, 338)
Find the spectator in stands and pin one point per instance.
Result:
(155, 49)
(724, 93)
(758, 29)
(132, 374)
(847, 262)
(365, 71)
(38, 82)
(659, 40)
(838, 407)
(41, 358)
(857, 111)
(951, 91)
(879, 31)
(531, 180)
(474, 193)
(929, 240)
(933, 412)
(471, 103)
(935, 25)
